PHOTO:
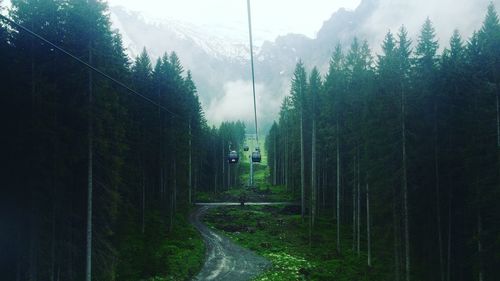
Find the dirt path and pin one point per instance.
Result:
(225, 260)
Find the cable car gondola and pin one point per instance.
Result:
(246, 148)
(256, 158)
(233, 157)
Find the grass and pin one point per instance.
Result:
(279, 234)
(159, 254)
(262, 190)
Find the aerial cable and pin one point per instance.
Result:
(253, 72)
(62, 50)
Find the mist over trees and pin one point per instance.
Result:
(400, 150)
(76, 143)
(419, 129)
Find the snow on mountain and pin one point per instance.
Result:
(219, 55)
(232, 44)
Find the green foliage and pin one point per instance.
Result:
(285, 267)
(162, 255)
(139, 150)
(278, 234)
(420, 128)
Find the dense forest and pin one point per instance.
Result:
(100, 164)
(103, 154)
(402, 150)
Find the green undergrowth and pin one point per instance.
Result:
(159, 254)
(203, 196)
(279, 234)
(261, 193)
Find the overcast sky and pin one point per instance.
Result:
(277, 17)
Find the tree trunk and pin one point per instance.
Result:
(368, 235)
(88, 273)
(196, 178)
(143, 203)
(323, 190)
(171, 212)
(53, 242)
(190, 164)
(275, 166)
(302, 166)
(338, 187)
(215, 182)
(18, 266)
(70, 242)
(397, 236)
(286, 155)
(160, 143)
(173, 197)
(33, 250)
(229, 176)
(354, 206)
(480, 246)
(223, 166)
(313, 175)
(405, 189)
(498, 118)
(437, 183)
(235, 175)
(358, 220)
(175, 186)
(448, 260)
(251, 172)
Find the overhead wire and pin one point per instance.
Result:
(96, 70)
(253, 70)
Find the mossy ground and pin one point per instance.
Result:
(162, 255)
(280, 235)
(261, 191)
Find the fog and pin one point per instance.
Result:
(446, 15)
(270, 18)
(232, 98)
(236, 104)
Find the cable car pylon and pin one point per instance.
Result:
(255, 155)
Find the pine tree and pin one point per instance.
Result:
(455, 127)
(299, 98)
(426, 67)
(335, 87)
(314, 88)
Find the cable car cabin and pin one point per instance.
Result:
(246, 148)
(256, 158)
(233, 157)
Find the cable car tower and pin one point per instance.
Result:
(255, 155)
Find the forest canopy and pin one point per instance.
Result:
(80, 146)
(416, 128)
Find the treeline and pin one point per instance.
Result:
(402, 151)
(77, 145)
(221, 175)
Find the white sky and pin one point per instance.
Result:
(277, 17)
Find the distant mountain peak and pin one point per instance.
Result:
(176, 35)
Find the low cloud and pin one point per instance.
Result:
(446, 15)
(236, 103)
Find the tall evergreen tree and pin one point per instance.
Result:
(299, 98)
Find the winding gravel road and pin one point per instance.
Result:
(225, 260)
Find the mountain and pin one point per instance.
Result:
(220, 60)
(221, 66)
(208, 56)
